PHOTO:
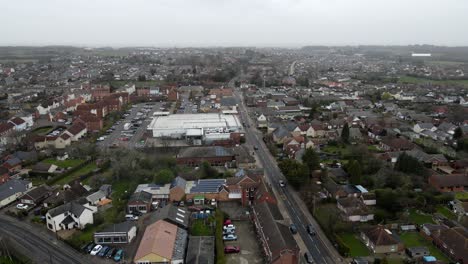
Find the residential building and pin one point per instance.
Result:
(69, 216)
(214, 155)
(449, 183)
(140, 202)
(11, 190)
(277, 242)
(381, 240)
(453, 242)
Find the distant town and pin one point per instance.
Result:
(327, 155)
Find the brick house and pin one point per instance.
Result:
(396, 144)
(93, 123)
(381, 240)
(208, 189)
(449, 183)
(140, 202)
(453, 242)
(177, 189)
(98, 93)
(215, 155)
(277, 242)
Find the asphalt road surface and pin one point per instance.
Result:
(133, 141)
(320, 252)
(41, 246)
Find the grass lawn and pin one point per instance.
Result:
(373, 148)
(357, 248)
(446, 212)
(419, 218)
(86, 169)
(42, 130)
(64, 163)
(341, 150)
(414, 239)
(461, 195)
(199, 228)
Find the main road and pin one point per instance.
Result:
(318, 246)
(39, 245)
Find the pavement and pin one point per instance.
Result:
(318, 246)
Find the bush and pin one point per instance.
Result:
(343, 249)
(220, 257)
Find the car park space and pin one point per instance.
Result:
(128, 131)
(246, 243)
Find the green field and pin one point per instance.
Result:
(416, 80)
(419, 218)
(64, 163)
(414, 239)
(85, 170)
(461, 195)
(42, 130)
(357, 248)
(446, 212)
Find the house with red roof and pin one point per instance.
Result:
(6, 128)
(92, 122)
(18, 123)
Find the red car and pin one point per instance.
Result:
(124, 139)
(231, 249)
(227, 222)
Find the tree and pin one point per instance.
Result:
(207, 172)
(164, 176)
(141, 78)
(345, 133)
(408, 164)
(296, 172)
(311, 159)
(355, 172)
(458, 133)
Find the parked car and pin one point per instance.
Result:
(229, 231)
(88, 247)
(227, 222)
(118, 255)
(96, 250)
(103, 251)
(230, 237)
(310, 230)
(111, 252)
(308, 258)
(21, 206)
(231, 249)
(293, 228)
(229, 226)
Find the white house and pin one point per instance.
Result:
(18, 123)
(69, 216)
(45, 108)
(262, 121)
(420, 127)
(12, 190)
(354, 210)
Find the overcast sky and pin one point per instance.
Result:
(233, 22)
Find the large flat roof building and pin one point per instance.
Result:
(195, 126)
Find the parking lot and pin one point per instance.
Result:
(128, 132)
(248, 243)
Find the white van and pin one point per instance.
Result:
(131, 217)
